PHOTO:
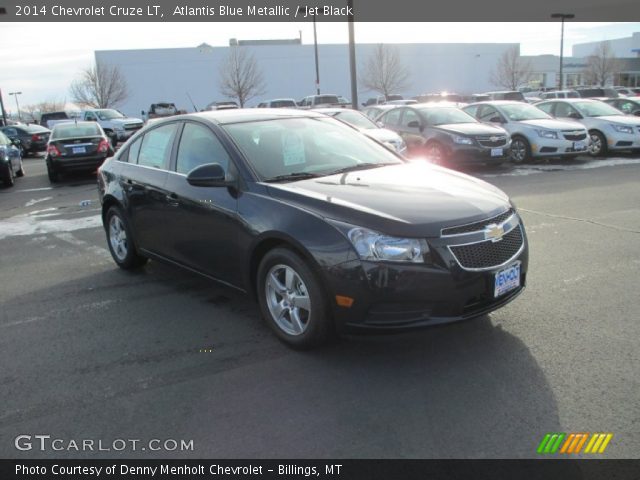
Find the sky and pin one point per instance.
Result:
(42, 59)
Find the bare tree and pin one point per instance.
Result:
(240, 76)
(384, 72)
(511, 71)
(602, 64)
(35, 110)
(99, 86)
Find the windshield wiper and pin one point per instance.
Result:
(292, 177)
(361, 166)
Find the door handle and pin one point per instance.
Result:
(172, 200)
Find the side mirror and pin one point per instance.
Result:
(207, 175)
(496, 120)
(380, 124)
(415, 124)
(575, 115)
(142, 112)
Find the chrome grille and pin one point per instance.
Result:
(477, 226)
(492, 140)
(489, 254)
(133, 126)
(575, 135)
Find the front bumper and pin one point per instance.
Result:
(473, 154)
(623, 141)
(123, 135)
(399, 297)
(546, 147)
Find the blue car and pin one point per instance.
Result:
(10, 161)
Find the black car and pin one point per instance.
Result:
(327, 228)
(10, 160)
(76, 146)
(597, 92)
(31, 138)
(446, 135)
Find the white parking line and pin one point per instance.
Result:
(33, 201)
(34, 189)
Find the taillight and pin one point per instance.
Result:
(103, 146)
(53, 151)
(35, 138)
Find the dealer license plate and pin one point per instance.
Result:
(507, 280)
(79, 150)
(496, 152)
(579, 146)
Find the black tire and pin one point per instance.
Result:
(7, 179)
(20, 173)
(316, 323)
(522, 151)
(436, 153)
(124, 254)
(53, 175)
(598, 146)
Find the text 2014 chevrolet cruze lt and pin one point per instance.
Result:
(329, 229)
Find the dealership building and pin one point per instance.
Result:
(189, 77)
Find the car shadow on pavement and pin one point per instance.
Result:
(122, 357)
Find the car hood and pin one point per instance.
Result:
(621, 119)
(382, 134)
(553, 124)
(473, 129)
(413, 199)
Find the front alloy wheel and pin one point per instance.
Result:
(292, 299)
(519, 150)
(288, 299)
(598, 145)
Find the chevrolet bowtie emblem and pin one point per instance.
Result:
(493, 232)
(494, 139)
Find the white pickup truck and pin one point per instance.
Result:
(117, 126)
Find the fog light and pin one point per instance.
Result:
(344, 301)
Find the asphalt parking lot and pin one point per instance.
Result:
(92, 352)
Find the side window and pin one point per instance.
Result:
(546, 108)
(392, 117)
(472, 110)
(488, 114)
(90, 117)
(134, 149)
(564, 110)
(626, 107)
(10, 132)
(155, 150)
(198, 146)
(408, 117)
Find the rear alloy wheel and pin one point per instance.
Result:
(292, 300)
(520, 150)
(120, 241)
(598, 145)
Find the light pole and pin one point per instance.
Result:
(315, 49)
(352, 60)
(15, 94)
(563, 17)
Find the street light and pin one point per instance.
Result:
(563, 17)
(15, 94)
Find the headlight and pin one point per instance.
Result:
(622, 128)
(547, 134)
(377, 247)
(462, 140)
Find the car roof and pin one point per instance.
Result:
(442, 104)
(239, 115)
(79, 124)
(570, 100)
(498, 103)
(335, 110)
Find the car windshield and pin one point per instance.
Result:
(283, 103)
(596, 109)
(108, 114)
(356, 119)
(75, 130)
(295, 148)
(326, 99)
(522, 111)
(446, 116)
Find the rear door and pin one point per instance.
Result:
(143, 180)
